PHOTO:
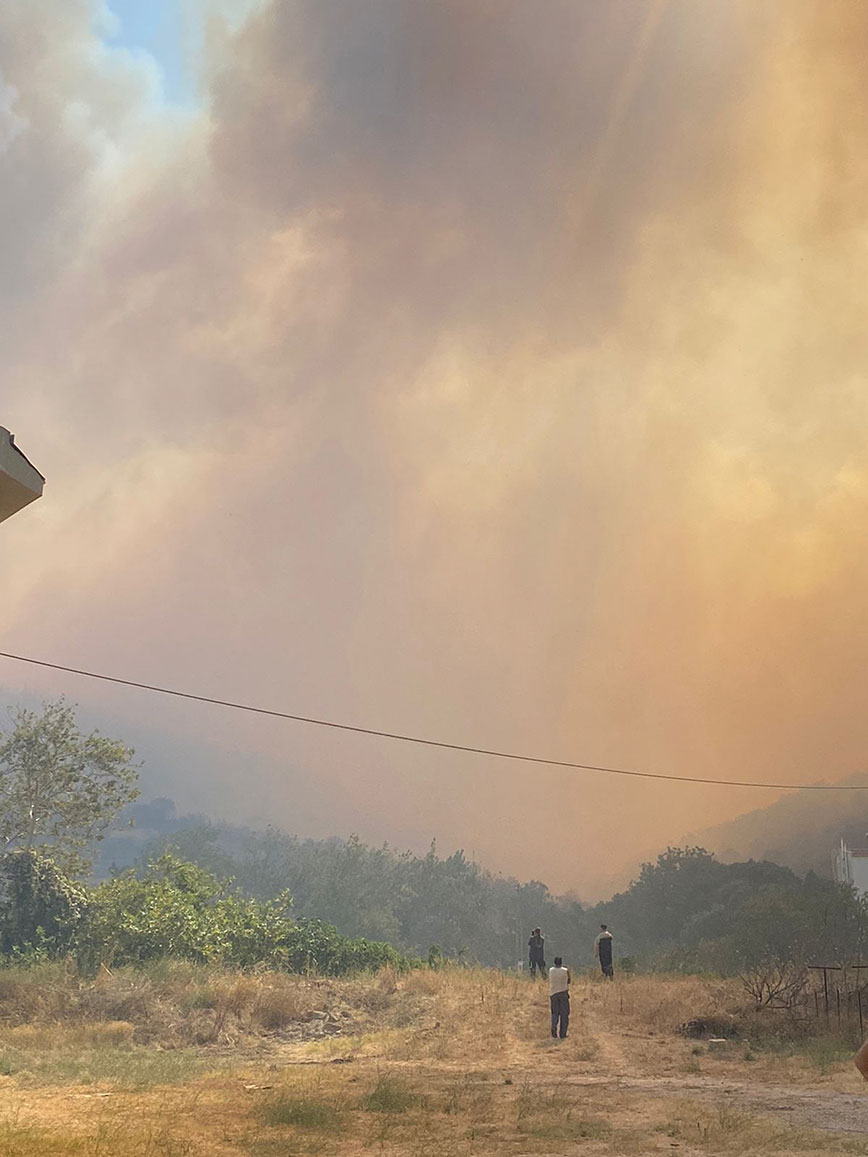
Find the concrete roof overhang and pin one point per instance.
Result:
(20, 481)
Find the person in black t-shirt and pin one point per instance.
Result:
(536, 949)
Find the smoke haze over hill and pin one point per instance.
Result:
(801, 830)
(482, 370)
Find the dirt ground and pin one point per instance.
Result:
(456, 1063)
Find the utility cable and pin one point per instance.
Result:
(422, 742)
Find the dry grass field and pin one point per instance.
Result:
(189, 1062)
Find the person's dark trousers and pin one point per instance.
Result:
(560, 1013)
(537, 964)
(606, 960)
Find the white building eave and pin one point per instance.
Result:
(20, 481)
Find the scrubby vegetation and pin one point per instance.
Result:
(173, 910)
(685, 911)
(52, 1008)
(60, 790)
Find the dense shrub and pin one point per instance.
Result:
(40, 909)
(312, 944)
(173, 910)
(179, 910)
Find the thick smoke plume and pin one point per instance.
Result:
(474, 368)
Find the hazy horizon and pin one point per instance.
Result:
(453, 367)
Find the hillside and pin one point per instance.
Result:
(799, 831)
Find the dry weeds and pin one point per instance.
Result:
(453, 1063)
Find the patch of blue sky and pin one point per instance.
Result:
(164, 32)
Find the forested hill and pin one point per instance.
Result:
(686, 910)
(801, 830)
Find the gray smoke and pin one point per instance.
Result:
(480, 370)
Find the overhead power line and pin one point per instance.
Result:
(422, 742)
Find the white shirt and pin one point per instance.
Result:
(601, 936)
(559, 980)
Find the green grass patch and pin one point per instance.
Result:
(390, 1095)
(566, 1128)
(826, 1052)
(134, 1067)
(302, 1112)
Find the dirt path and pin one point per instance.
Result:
(614, 1066)
(829, 1110)
(822, 1109)
(826, 1109)
(613, 1056)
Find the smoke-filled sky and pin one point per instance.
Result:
(488, 370)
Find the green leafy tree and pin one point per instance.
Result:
(60, 789)
(40, 909)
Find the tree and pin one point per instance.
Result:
(60, 789)
(39, 907)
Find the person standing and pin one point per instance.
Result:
(536, 950)
(559, 997)
(603, 951)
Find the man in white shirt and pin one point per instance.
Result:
(559, 996)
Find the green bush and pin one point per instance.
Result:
(40, 909)
(178, 910)
(175, 910)
(390, 1095)
(304, 1112)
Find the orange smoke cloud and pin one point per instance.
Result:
(354, 401)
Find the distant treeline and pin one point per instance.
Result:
(200, 891)
(686, 911)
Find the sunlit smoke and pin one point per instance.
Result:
(477, 369)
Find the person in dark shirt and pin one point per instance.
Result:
(603, 951)
(536, 948)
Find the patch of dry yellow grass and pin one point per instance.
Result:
(662, 1003)
(457, 1062)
